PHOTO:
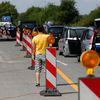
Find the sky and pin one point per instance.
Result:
(83, 6)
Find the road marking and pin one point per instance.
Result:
(62, 63)
(67, 79)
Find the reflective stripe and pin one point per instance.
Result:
(50, 58)
(29, 39)
(29, 49)
(51, 78)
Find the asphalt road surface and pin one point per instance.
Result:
(18, 83)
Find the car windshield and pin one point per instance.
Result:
(76, 32)
(55, 30)
(30, 25)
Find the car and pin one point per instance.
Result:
(56, 31)
(86, 41)
(70, 41)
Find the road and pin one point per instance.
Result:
(18, 83)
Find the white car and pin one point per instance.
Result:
(69, 43)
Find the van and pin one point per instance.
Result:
(70, 41)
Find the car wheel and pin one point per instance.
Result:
(64, 52)
(60, 53)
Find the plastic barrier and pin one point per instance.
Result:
(18, 39)
(32, 67)
(24, 42)
(28, 46)
(89, 89)
(51, 76)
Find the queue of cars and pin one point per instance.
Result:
(75, 40)
(71, 41)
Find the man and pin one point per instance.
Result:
(39, 44)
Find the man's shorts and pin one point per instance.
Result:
(39, 62)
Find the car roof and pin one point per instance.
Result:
(56, 26)
(90, 28)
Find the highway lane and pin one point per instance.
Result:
(18, 83)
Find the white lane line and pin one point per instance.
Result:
(62, 63)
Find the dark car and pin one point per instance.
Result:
(57, 31)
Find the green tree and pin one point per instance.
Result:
(68, 12)
(7, 9)
(88, 20)
(32, 14)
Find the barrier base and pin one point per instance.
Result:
(27, 56)
(31, 68)
(50, 92)
(23, 50)
(17, 45)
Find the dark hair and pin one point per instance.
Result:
(40, 29)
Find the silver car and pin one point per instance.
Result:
(69, 43)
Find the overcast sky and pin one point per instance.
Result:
(84, 6)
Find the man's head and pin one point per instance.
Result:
(40, 29)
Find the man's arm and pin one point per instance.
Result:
(33, 48)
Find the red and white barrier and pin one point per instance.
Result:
(51, 68)
(18, 38)
(89, 89)
(28, 46)
(32, 67)
(24, 42)
(51, 75)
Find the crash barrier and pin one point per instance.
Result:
(24, 42)
(18, 38)
(89, 89)
(51, 76)
(28, 46)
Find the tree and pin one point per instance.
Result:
(68, 12)
(7, 9)
(88, 20)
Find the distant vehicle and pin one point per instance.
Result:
(97, 22)
(26, 24)
(12, 30)
(57, 31)
(70, 41)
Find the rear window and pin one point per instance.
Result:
(55, 30)
(76, 33)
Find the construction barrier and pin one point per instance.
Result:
(28, 46)
(32, 67)
(18, 38)
(89, 88)
(24, 42)
(51, 76)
